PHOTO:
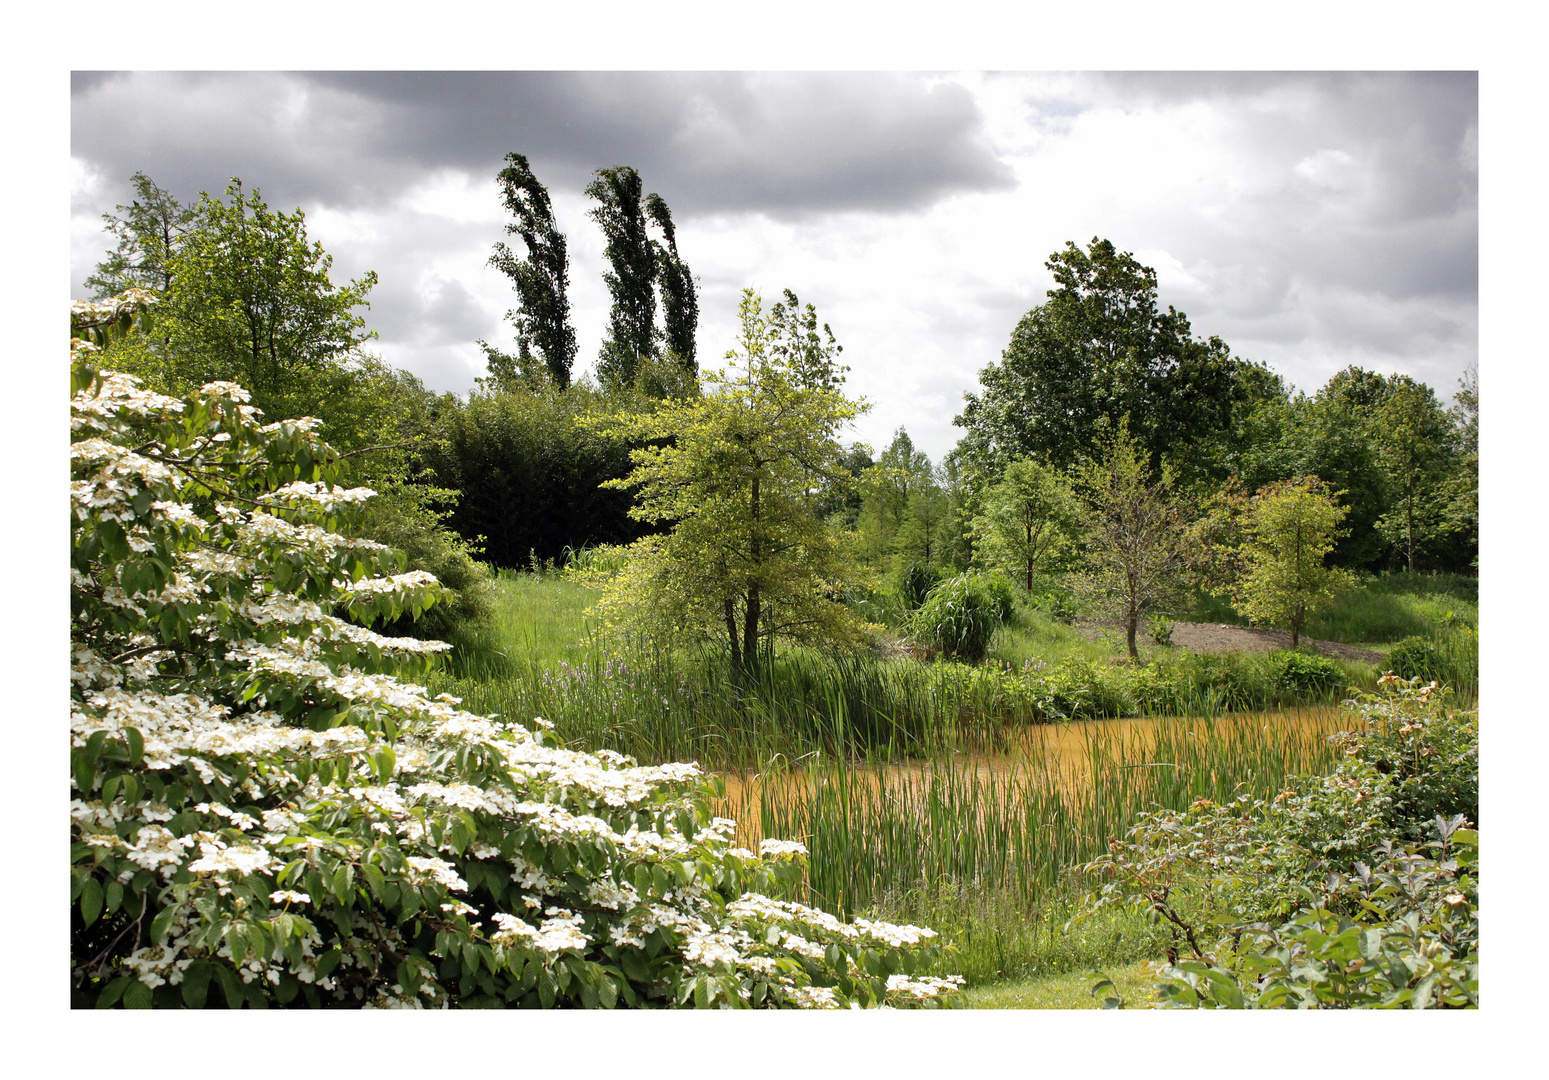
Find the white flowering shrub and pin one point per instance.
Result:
(265, 812)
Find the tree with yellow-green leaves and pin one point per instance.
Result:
(738, 472)
(1027, 521)
(1290, 528)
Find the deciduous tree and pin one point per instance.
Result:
(1097, 351)
(1027, 521)
(748, 559)
(541, 280)
(1415, 446)
(1133, 527)
(1289, 529)
(639, 265)
(631, 280)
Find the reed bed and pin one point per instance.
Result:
(1016, 821)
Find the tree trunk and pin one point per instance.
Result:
(1410, 524)
(755, 561)
(731, 636)
(1130, 627)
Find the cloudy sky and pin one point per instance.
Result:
(1310, 220)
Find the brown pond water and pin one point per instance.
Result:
(1051, 755)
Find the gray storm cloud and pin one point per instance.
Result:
(1310, 219)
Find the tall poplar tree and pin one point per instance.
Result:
(541, 279)
(632, 331)
(679, 295)
(640, 266)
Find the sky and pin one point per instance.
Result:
(1311, 220)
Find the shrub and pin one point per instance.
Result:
(1417, 658)
(1223, 875)
(1304, 675)
(1003, 596)
(959, 617)
(260, 805)
(412, 528)
(914, 585)
(1416, 947)
(1081, 689)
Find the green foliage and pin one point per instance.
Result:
(264, 815)
(1290, 529)
(1215, 872)
(1307, 674)
(915, 582)
(541, 279)
(904, 513)
(529, 468)
(1414, 440)
(1084, 690)
(1098, 351)
(407, 525)
(148, 231)
(250, 302)
(747, 560)
(1415, 658)
(960, 615)
(1134, 542)
(1026, 522)
(247, 299)
(1415, 945)
(638, 264)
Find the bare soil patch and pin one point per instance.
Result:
(1221, 638)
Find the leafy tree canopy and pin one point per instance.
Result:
(1097, 351)
(1135, 546)
(541, 279)
(1290, 528)
(737, 474)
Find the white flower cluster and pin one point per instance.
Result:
(229, 743)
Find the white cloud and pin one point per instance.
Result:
(1311, 221)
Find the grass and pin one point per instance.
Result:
(1135, 984)
(921, 790)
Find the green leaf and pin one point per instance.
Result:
(137, 996)
(113, 991)
(91, 901)
(327, 962)
(83, 770)
(162, 921)
(196, 984)
(136, 744)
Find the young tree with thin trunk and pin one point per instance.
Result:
(748, 560)
(149, 230)
(1289, 529)
(1134, 530)
(1027, 520)
(1415, 446)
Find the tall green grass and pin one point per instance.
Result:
(917, 787)
(541, 659)
(1017, 823)
(984, 849)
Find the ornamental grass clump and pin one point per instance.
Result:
(266, 812)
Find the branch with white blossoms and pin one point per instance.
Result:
(266, 812)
